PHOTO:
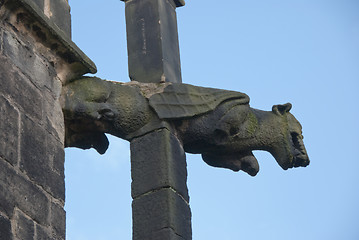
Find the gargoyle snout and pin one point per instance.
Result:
(301, 158)
(290, 151)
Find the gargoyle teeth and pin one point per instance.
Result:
(301, 161)
(298, 143)
(299, 152)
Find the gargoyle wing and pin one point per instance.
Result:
(184, 100)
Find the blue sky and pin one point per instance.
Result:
(305, 52)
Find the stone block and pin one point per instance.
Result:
(52, 83)
(7, 203)
(5, 228)
(42, 233)
(39, 3)
(152, 41)
(53, 119)
(170, 44)
(35, 158)
(9, 131)
(60, 15)
(158, 161)
(24, 57)
(160, 210)
(20, 90)
(167, 234)
(16, 190)
(56, 154)
(24, 227)
(58, 221)
(54, 86)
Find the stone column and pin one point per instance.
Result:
(160, 207)
(153, 49)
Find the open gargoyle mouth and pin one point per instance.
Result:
(300, 156)
(291, 153)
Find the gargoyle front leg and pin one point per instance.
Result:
(93, 107)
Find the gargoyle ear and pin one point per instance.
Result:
(281, 109)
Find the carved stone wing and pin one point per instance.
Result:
(183, 100)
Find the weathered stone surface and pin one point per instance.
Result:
(167, 234)
(9, 131)
(183, 100)
(152, 42)
(53, 120)
(158, 161)
(224, 129)
(42, 233)
(60, 15)
(160, 210)
(24, 227)
(26, 59)
(39, 3)
(5, 228)
(20, 90)
(36, 57)
(56, 154)
(15, 190)
(7, 203)
(170, 44)
(35, 158)
(42, 25)
(58, 221)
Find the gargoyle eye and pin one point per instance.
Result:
(108, 113)
(220, 135)
(233, 131)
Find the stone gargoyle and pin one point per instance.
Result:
(216, 123)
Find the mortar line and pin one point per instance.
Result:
(159, 189)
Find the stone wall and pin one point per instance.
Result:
(36, 58)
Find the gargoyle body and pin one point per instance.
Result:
(216, 123)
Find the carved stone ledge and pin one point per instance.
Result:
(27, 17)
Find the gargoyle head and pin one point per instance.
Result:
(290, 151)
(243, 130)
